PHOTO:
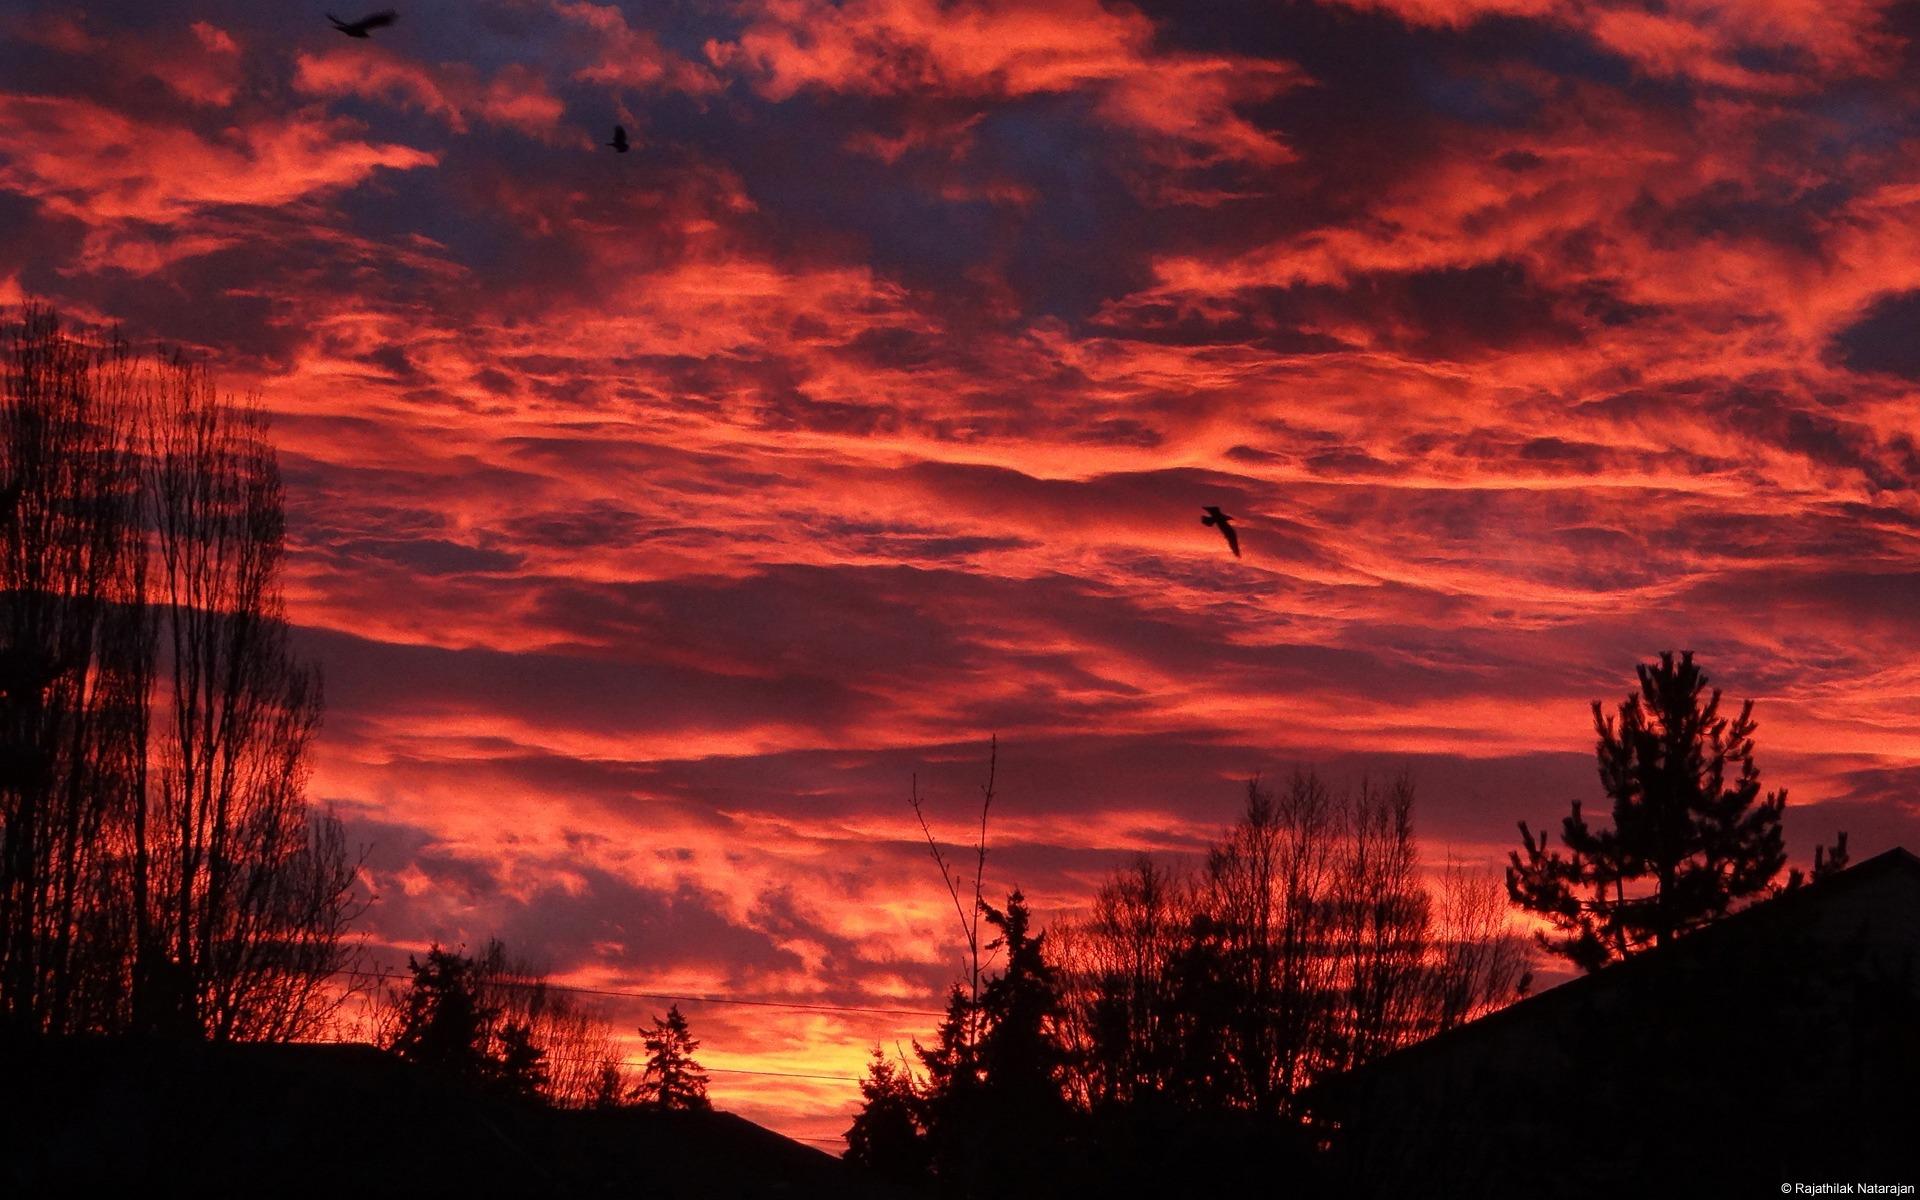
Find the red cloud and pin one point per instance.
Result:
(623, 56)
(515, 96)
(991, 51)
(95, 164)
(657, 517)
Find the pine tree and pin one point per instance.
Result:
(1692, 834)
(671, 1078)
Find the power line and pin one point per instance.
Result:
(634, 1062)
(736, 1000)
(780, 1074)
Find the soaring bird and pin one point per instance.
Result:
(365, 26)
(1224, 524)
(619, 141)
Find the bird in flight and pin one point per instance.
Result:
(619, 141)
(365, 26)
(1224, 524)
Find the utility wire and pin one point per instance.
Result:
(634, 1062)
(737, 1000)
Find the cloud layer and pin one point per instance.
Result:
(659, 517)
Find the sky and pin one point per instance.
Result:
(659, 519)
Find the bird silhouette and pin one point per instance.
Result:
(1224, 524)
(619, 141)
(365, 26)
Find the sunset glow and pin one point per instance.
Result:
(657, 518)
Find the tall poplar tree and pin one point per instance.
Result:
(161, 868)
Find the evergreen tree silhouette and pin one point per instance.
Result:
(1020, 1056)
(609, 1086)
(888, 1136)
(995, 1111)
(443, 1025)
(950, 1103)
(521, 1068)
(671, 1078)
(1692, 834)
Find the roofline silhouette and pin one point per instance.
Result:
(1898, 859)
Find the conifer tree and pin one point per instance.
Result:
(1020, 1057)
(888, 1137)
(1692, 834)
(994, 1107)
(443, 1024)
(609, 1086)
(671, 1078)
(521, 1067)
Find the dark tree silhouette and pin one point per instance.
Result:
(1022, 1062)
(994, 1107)
(442, 1023)
(609, 1086)
(495, 1021)
(1121, 1020)
(253, 903)
(1309, 943)
(575, 1039)
(1170, 1040)
(671, 1079)
(1827, 860)
(1019, 1056)
(521, 1069)
(74, 663)
(1381, 917)
(949, 1101)
(1692, 835)
(888, 1135)
(160, 868)
(1831, 860)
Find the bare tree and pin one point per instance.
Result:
(966, 893)
(1311, 942)
(69, 554)
(1268, 887)
(254, 894)
(160, 868)
(1382, 916)
(1119, 997)
(576, 1037)
(1479, 960)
